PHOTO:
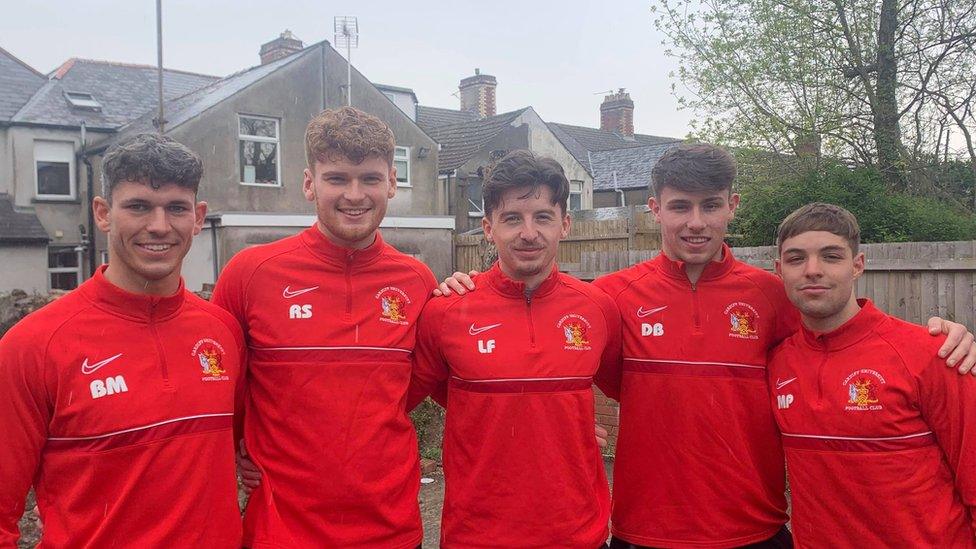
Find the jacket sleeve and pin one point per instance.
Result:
(948, 404)
(430, 369)
(228, 294)
(25, 412)
(608, 376)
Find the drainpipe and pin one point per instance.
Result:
(623, 197)
(90, 189)
(213, 245)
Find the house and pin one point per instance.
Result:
(474, 137)
(618, 160)
(249, 130)
(45, 189)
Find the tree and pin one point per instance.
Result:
(870, 83)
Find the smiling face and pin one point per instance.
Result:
(819, 270)
(693, 224)
(526, 228)
(149, 232)
(350, 199)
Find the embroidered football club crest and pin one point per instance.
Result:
(743, 320)
(575, 330)
(393, 305)
(863, 388)
(210, 355)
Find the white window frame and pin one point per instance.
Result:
(82, 100)
(47, 151)
(58, 270)
(260, 139)
(402, 154)
(575, 192)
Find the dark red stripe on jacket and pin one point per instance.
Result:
(522, 385)
(139, 435)
(860, 445)
(705, 369)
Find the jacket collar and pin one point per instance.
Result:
(514, 288)
(848, 333)
(321, 246)
(714, 269)
(138, 307)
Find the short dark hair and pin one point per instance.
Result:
(152, 159)
(522, 168)
(819, 216)
(694, 167)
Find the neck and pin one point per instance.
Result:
(361, 244)
(694, 270)
(531, 281)
(830, 323)
(135, 284)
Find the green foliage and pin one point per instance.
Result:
(428, 419)
(884, 215)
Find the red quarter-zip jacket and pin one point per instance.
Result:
(699, 462)
(880, 436)
(118, 409)
(331, 332)
(521, 465)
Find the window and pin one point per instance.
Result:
(476, 202)
(54, 169)
(259, 151)
(575, 195)
(401, 161)
(83, 100)
(62, 267)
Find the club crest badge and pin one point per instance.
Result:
(575, 330)
(743, 320)
(863, 390)
(210, 356)
(393, 305)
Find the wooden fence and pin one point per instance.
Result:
(910, 280)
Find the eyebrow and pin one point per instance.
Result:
(831, 248)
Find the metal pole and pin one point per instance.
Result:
(348, 73)
(159, 61)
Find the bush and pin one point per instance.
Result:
(884, 215)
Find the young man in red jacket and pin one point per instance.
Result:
(878, 436)
(117, 400)
(329, 316)
(517, 361)
(698, 460)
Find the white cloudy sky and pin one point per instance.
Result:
(553, 55)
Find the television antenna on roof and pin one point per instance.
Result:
(347, 34)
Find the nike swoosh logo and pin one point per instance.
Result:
(641, 313)
(87, 368)
(781, 384)
(287, 293)
(475, 331)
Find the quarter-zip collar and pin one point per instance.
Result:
(514, 288)
(138, 307)
(848, 333)
(321, 246)
(714, 269)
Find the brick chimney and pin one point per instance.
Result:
(478, 94)
(617, 113)
(283, 46)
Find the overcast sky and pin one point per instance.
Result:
(556, 56)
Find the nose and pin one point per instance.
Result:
(354, 191)
(529, 231)
(812, 267)
(158, 221)
(697, 221)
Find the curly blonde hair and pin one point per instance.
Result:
(347, 132)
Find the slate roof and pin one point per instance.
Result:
(19, 227)
(125, 92)
(631, 167)
(191, 105)
(430, 118)
(18, 82)
(580, 140)
(461, 141)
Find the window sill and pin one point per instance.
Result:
(55, 200)
(262, 185)
(404, 185)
